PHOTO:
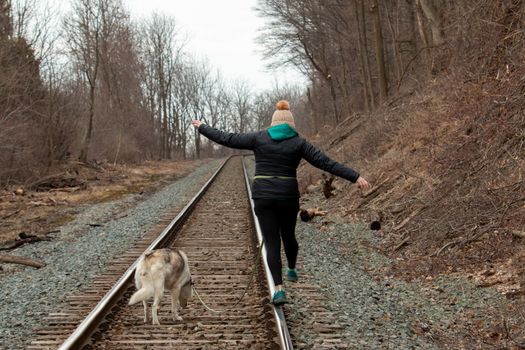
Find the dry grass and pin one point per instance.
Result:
(449, 162)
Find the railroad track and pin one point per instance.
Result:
(218, 233)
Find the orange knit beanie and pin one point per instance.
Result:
(283, 115)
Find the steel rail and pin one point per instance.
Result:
(85, 329)
(282, 328)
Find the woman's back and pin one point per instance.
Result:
(278, 151)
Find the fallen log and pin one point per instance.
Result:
(408, 218)
(375, 188)
(12, 214)
(24, 240)
(66, 189)
(403, 243)
(21, 261)
(56, 181)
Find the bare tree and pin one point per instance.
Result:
(323, 39)
(161, 54)
(21, 95)
(241, 105)
(84, 28)
(36, 21)
(58, 117)
(197, 88)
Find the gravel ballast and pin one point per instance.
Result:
(377, 312)
(380, 312)
(80, 251)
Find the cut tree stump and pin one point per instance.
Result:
(327, 185)
(21, 261)
(520, 234)
(308, 214)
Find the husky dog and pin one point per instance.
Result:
(158, 270)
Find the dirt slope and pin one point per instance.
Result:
(39, 207)
(447, 168)
(447, 164)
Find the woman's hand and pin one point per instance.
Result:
(196, 123)
(362, 183)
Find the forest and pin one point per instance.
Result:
(94, 85)
(425, 97)
(429, 89)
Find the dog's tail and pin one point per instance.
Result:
(141, 295)
(185, 259)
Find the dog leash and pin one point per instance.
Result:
(254, 270)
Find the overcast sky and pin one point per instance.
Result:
(224, 31)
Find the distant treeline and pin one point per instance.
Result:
(95, 85)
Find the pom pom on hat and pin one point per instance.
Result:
(283, 115)
(282, 105)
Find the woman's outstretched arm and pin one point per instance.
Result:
(228, 139)
(314, 156)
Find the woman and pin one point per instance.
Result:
(278, 152)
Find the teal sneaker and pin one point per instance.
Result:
(279, 298)
(292, 275)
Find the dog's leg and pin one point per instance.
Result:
(145, 311)
(154, 308)
(175, 303)
(159, 291)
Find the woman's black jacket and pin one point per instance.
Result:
(276, 161)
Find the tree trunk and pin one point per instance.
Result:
(197, 144)
(334, 98)
(313, 108)
(184, 143)
(420, 26)
(119, 143)
(345, 77)
(394, 30)
(363, 54)
(163, 122)
(380, 58)
(432, 14)
(87, 138)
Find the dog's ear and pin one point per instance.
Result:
(148, 253)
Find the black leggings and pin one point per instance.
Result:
(277, 218)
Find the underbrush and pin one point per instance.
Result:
(447, 170)
(447, 166)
